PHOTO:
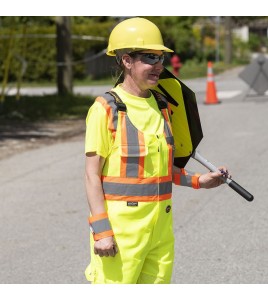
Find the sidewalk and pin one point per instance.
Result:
(82, 90)
(17, 137)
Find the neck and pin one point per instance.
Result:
(133, 89)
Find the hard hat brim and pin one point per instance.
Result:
(111, 52)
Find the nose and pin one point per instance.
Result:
(159, 66)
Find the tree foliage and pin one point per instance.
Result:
(189, 36)
(177, 33)
(40, 54)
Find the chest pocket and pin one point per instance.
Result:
(133, 151)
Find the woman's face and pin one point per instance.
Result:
(142, 71)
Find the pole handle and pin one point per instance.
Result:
(240, 190)
(232, 184)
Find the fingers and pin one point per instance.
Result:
(102, 248)
(110, 252)
(115, 249)
(224, 172)
(214, 179)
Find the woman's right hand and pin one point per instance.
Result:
(106, 247)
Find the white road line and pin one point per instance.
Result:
(228, 94)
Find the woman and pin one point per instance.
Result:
(129, 171)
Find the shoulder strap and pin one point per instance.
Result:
(159, 99)
(121, 106)
(162, 104)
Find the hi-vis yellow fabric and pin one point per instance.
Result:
(146, 117)
(145, 240)
(143, 112)
(137, 184)
(98, 138)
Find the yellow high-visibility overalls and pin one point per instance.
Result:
(137, 185)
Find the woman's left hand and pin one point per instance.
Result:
(213, 179)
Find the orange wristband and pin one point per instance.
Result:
(195, 181)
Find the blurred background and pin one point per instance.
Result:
(61, 53)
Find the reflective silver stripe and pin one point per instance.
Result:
(170, 140)
(125, 189)
(186, 180)
(101, 225)
(111, 102)
(165, 187)
(132, 133)
(169, 136)
(132, 169)
(133, 151)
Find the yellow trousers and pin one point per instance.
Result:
(145, 240)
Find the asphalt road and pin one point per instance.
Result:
(220, 237)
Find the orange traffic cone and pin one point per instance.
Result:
(211, 94)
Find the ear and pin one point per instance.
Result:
(127, 61)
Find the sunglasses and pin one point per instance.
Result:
(148, 58)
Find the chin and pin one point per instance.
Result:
(152, 84)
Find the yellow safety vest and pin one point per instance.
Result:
(130, 173)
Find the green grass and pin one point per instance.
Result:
(85, 82)
(34, 108)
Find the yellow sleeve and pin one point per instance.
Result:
(98, 137)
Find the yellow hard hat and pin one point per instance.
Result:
(135, 33)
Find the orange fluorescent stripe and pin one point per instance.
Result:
(123, 165)
(169, 108)
(141, 167)
(177, 178)
(170, 156)
(123, 127)
(102, 235)
(142, 154)
(195, 181)
(170, 163)
(108, 111)
(183, 172)
(164, 111)
(98, 217)
(170, 127)
(138, 198)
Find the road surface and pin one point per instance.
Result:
(220, 237)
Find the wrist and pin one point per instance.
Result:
(196, 181)
(100, 226)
